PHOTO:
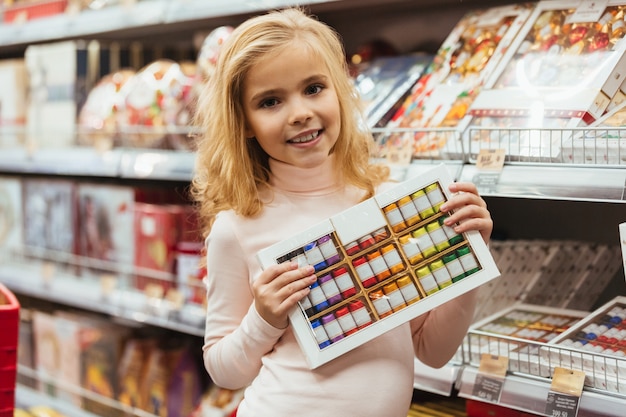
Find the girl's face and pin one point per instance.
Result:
(291, 107)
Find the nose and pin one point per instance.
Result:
(299, 111)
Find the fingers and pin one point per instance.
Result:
(467, 210)
(279, 288)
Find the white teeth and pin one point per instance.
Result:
(306, 138)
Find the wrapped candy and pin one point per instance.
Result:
(99, 118)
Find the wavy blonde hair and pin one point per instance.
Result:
(230, 168)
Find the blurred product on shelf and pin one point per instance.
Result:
(383, 83)
(23, 11)
(563, 71)
(209, 51)
(99, 119)
(60, 76)
(13, 102)
(142, 368)
(10, 215)
(157, 98)
(50, 216)
(105, 222)
(468, 56)
(218, 402)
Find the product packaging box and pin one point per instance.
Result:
(157, 229)
(50, 219)
(11, 236)
(597, 346)
(60, 76)
(384, 82)
(380, 264)
(562, 71)
(13, 102)
(105, 229)
(466, 59)
(512, 331)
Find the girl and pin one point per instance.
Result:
(282, 150)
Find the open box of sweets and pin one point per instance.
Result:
(379, 264)
(519, 332)
(597, 346)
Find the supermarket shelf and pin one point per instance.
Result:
(553, 181)
(530, 395)
(146, 17)
(541, 181)
(436, 380)
(26, 397)
(124, 304)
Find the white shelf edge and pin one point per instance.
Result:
(530, 395)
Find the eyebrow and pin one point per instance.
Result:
(275, 91)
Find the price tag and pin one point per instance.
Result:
(489, 165)
(491, 160)
(490, 378)
(565, 391)
(401, 153)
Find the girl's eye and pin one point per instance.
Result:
(270, 102)
(314, 89)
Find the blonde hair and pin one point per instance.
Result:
(231, 168)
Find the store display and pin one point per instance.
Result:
(209, 51)
(105, 229)
(173, 382)
(384, 82)
(551, 79)
(32, 10)
(155, 99)
(49, 219)
(157, 231)
(597, 346)
(60, 76)
(365, 241)
(13, 102)
(560, 274)
(99, 118)
(468, 56)
(520, 325)
(11, 236)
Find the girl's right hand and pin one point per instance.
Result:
(279, 288)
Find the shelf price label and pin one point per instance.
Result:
(489, 164)
(490, 160)
(564, 394)
(490, 377)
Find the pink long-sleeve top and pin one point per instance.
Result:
(241, 349)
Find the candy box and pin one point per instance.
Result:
(385, 81)
(465, 60)
(597, 346)
(518, 332)
(562, 71)
(380, 264)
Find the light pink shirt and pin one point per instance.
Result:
(241, 349)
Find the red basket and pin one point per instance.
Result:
(9, 323)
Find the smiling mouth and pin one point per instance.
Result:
(306, 138)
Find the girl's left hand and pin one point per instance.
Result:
(468, 209)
